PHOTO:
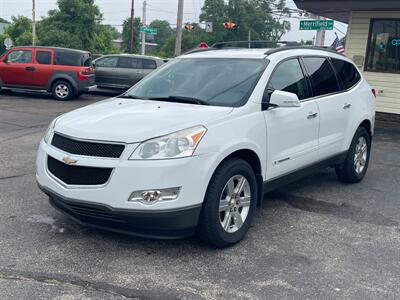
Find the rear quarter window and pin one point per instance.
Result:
(347, 72)
(77, 59)
(149, 64)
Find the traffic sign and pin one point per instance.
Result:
(148, 30)
(8, 43)
(209, 26)
(316, 25)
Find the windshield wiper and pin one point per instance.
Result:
(181, 99)
(131, 97)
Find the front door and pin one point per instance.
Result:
(17, 69)
(105, 69)
(292, 132)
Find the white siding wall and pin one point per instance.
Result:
(387, 85)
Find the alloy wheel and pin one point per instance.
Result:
(234, 203)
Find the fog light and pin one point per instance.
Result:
(153, 196)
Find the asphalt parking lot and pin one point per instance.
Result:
(317, 238)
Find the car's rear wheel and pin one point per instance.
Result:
(356, 164)
(62, 90)
(229, 204)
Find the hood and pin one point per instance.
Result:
(132, 120)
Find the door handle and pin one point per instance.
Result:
(346, 105)
(312, 115)
(30, 68)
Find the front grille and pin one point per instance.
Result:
(87, 148)
(78, 175)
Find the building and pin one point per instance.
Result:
(372, 41)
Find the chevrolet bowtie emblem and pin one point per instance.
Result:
(69, 160)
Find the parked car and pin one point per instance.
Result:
(124, 70)
(66, 73)
(194, 146)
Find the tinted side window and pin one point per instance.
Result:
(64, 58)
(20, 57)
(322, 75)
(107, 62)
(149, 64)
(43, 57)
(129, 63)
(289, 77)
(348, 74)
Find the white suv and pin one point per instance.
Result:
(194, 146)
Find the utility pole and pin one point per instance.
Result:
(320, 38)
(249, 39)
(132, 27)
(178, 40)
(33, 23)
(144, 24)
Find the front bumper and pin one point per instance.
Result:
(170, 224)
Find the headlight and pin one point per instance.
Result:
(50, 130)
(175, 145)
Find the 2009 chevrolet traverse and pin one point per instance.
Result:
(66, 73)
(193, 147)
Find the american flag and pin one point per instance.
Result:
(338, 45)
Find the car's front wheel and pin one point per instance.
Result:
(62, 90)
(355, 166)
(229, 204)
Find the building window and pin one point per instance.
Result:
(383, 52)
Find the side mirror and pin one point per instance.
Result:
(284, 99)
(5, 60)
(94, 65)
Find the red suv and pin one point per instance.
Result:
(66, 73)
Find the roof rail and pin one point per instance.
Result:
(290, 47)
(230, 44)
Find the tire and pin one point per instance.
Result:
(228, 175)
(356, 164)
(62, 90)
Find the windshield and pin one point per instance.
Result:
(209, 81)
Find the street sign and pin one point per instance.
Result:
(316, 25)
(209, 26)
(148, 30)
(8, 43)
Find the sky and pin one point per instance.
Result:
(115, 11)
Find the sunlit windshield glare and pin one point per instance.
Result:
(214, 81)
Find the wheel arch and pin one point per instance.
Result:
(253, 159)
(62, 78)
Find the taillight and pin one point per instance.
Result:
(83, 75)
(373, 92)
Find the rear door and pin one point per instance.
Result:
(43, 67)
(17, 69)
(292, 132)
(129, 70)
(105, 69)
(332, 105)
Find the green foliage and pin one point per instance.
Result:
(20, 31)
(164, 32)
(126, 32)
(4, 21)
(76, 24)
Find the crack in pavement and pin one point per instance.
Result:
(22, 126)
(14, 176)
(341, 210)
(104, 287)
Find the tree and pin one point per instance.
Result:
(76, 24)
(164, 32)
(126, 33)
(4, 21)
(20, 31)
(3, 49)
(215, 11)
